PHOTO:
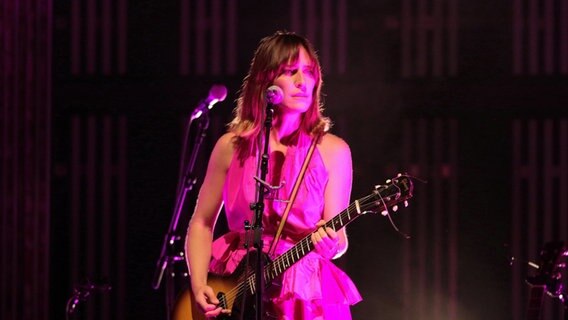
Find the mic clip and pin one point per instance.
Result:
(271, 190)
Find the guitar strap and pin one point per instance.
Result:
(293, 195)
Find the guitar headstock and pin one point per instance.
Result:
(394, 191)
(550, 268)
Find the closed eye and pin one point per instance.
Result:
(289, 71)
(310, 71)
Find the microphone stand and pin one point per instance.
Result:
(81, 293)
(565, 303)
(258, 208)
(168, 256)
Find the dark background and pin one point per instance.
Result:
(380, 110)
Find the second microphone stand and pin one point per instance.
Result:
(170, 253)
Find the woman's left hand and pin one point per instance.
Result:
(325, 241)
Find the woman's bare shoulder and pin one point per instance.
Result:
(224, 149)
(227, 140)
(335, 151)
(334, 145)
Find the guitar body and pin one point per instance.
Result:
(225, 288)
(185, 307)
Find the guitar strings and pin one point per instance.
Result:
(363, 202)
(241, 288)
(234, 293)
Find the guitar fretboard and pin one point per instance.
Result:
(400, 190)
(305, 246)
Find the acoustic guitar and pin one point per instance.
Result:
(231, 289)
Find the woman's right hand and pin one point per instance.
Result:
(207, 301)
(200, 230)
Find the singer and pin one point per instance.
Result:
(313, 287)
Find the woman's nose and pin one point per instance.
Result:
(300, 77)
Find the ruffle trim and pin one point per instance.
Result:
(313, 278)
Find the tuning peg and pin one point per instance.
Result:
(384, 213)
(405, 203)
(388, 181)
(395, 208)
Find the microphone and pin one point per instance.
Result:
(274, 95)
(218, 92)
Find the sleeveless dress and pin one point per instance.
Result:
(313, 288)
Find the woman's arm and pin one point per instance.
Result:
(337, 159)
(200, 231)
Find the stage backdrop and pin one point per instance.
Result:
(25, 158)
(469, 96)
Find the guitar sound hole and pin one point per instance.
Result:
(248, 266)
(222, 300)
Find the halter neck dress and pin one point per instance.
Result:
(313, 288)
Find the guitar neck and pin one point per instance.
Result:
(399, 190)
(305, 246)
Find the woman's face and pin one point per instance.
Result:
(297, 80)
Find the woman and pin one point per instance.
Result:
(313, 288)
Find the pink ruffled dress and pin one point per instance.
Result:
(313, 288)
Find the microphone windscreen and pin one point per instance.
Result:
(218, 92)
(274, 95)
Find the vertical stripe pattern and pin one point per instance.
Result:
(98, 37)
(540, 37)
(98, 210)
(429, 38)
(25, 158)
(208, 37)
(324, 22)
(429, 261)
(539, 203)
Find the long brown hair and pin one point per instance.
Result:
(272, 53)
